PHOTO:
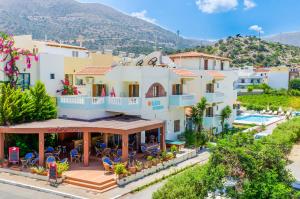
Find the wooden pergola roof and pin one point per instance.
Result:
(114, 125)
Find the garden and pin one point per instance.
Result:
(241, 167)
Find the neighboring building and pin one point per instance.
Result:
(294, 73)
(56, 62)
(153, 87)
(248, 76)
(278, 77)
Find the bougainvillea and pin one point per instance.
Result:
(68, 89)
(9, 55)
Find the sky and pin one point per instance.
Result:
(214, 19)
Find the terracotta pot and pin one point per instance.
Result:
(132, 170)
(59, 175)
(5, 164)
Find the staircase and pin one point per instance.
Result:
(99, 186)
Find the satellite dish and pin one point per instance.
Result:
(152, 61)
(140, 62)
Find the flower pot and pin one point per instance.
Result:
(132, 170)
(5, 164)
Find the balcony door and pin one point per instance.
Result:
(97, 90)
(134, 90)
(210, 88)
(210, 112)
(177, 89)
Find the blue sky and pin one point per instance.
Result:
(214, 19)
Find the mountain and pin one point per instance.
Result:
(97, 25)
(290, 38)
(254, 51)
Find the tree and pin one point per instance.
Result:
(44, 106)
(225, 114)
(294, 84)
(10, 55)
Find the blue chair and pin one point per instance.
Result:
(103, 146)
(107, 160)
(50, 160)
(65, 160)
(145, 151)
(49, 149)
(29, 156)
(117, 159)
(74, 155)
(34, 162)
(155, 152)
(119, 152)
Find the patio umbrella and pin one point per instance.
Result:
(112, 93)
(103, 94)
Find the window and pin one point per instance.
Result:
(24, 81)
(52, 76)
(155, 91)
(176, 125)
(74, 53)
(134, 90)
(210, 88)
(222, 65)
(243, 80)
(209, 112)
(177, 89)
(206, 64)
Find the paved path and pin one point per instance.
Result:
(13, 192)
(119, 191)
(295, 158)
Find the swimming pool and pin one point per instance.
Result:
(257, 119)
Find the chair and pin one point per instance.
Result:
(34, 162)
(119, 152)
(107, 167)
(49, 149)
(98, 151)
(57, 154)
(155, 152)
(117, 160)
(65, 160)
(106, 152)
(74, 155)
(50, 160)
(152, 139)
(145, 151)
(26, 160)
(103, 146)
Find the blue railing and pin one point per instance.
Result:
(182, 100)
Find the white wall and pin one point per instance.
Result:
(278, 79)
(51, 64)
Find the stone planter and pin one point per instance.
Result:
(132, 170)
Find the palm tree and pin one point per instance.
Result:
(225, 114)
(197, 117)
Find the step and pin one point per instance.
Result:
(90, 182)
(102, 188)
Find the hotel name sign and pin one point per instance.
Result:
(63, 129)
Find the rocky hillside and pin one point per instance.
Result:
(100, 26)
(253, 51)
(290, 38)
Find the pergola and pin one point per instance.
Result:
(122, 125)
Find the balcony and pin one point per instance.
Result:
(182, 100)
(211, 122)
(216, 97)
(123, 104)
(114, 104)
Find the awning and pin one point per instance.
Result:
(216, 75)
(93, 70)
(184, 73)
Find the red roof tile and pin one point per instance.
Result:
(215, 74)
(197, 54)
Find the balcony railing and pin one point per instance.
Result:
(116, 104)
(211, 121)
(182, 100)
(215, 97)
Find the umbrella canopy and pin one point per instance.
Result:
(113, 93)
(103, 94)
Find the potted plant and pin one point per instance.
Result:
(62, 167)
(41, 171)
(5, 163)
(132, 168)
(169, 156)
(174, 150)
(164, 155)
(149, 161)
(154, 161)
(120, 170)
(33, 170)
(139, 166)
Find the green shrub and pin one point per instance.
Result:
(62, 167)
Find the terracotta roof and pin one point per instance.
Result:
(120, 124)
(261, 70)
(197, 54)
(53, 44)
(94, 70)
(215, 74)
(184, 73)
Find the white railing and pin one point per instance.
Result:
(98, 100)
(133, 100)
(115, 100)
(72, 100)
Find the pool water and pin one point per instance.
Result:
(256, 118)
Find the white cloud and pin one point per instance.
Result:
(257, 28)
(142, 15)
(213, 6)
(248, 4)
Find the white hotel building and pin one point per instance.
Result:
(155, 87)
